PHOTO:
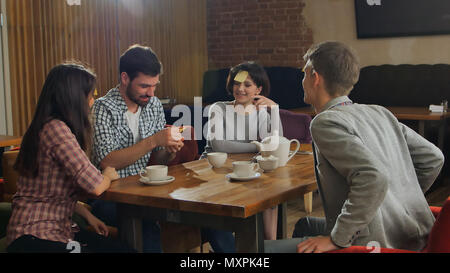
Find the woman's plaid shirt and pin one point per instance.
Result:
(43, 205)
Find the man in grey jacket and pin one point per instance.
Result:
(372, 170)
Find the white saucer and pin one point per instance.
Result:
(167, 180)
(233, 176)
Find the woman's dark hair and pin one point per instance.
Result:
(138, 58)
(255, 71)
(64, 96)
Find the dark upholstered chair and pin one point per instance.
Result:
(296, 126)
(5, 214)
(403, 85)
(9, 174)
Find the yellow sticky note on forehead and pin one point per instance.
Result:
(241, 76)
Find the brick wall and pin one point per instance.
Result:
(272, 32)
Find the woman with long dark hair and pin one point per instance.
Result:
(54, 170)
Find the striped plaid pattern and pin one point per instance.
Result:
(111, 130)
(43, 206)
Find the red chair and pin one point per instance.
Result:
(438, 240)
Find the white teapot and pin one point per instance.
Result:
(277, 146)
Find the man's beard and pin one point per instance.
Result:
(135, 98)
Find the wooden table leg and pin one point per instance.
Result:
(250, 235)
(441, 134)
(249, 232)
(441, 137)
(2, 150)
(308, 197)
(130, 228)
(422, 128)
(282, 221)
(179, 238)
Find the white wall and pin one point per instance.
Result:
(335, 20)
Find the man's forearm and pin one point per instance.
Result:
(120, 159)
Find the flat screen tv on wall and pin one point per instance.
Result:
(391, 18)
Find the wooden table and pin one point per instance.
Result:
(202, 196)
(420, 114)
(6, 141)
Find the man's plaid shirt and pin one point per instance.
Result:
(111, 130)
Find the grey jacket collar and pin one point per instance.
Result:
(335, 101)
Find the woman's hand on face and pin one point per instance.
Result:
(259, 101)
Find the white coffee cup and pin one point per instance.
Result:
(244, 168)
(216, 159)
(268, 163)
(154, 172)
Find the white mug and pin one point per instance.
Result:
(216, 159)
(244, 168)
(154, 172)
